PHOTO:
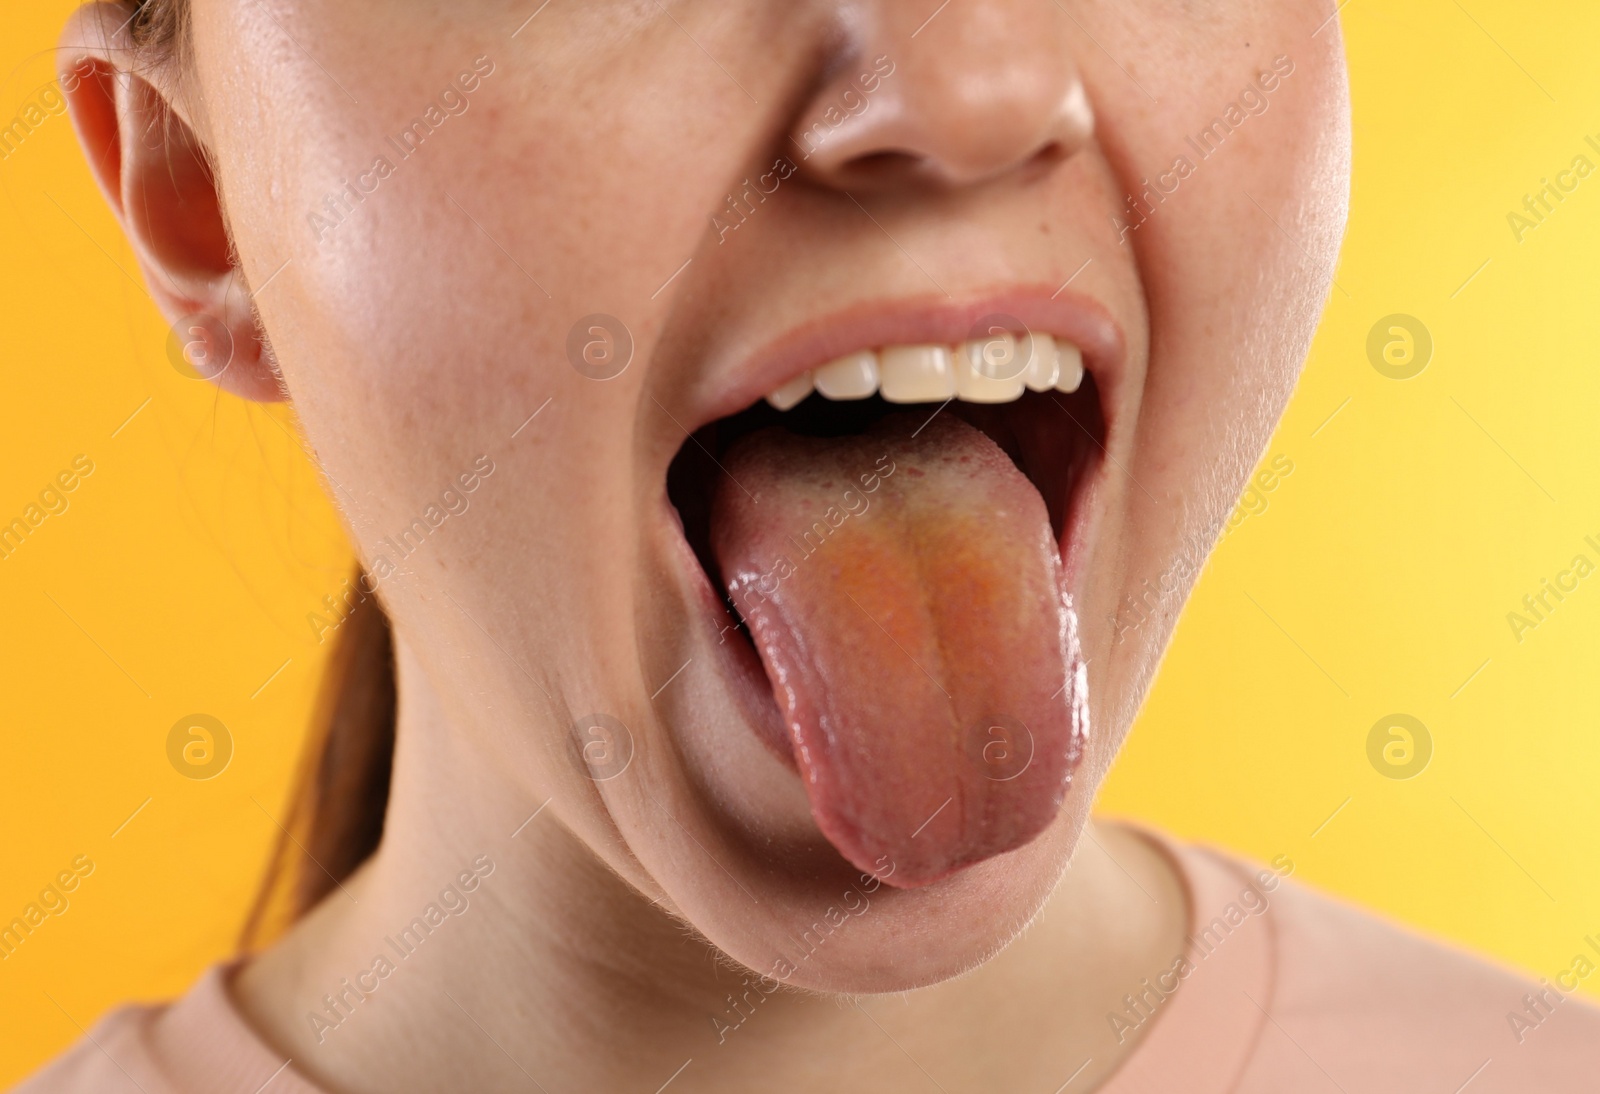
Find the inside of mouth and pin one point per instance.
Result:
(1052, 437)
(921, 667)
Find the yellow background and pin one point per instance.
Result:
(1377, 580)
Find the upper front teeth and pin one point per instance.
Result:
(994, 370)
(853, 376)
(914, 374)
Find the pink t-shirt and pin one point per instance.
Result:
(1280, 990)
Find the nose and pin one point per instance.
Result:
(979, 89)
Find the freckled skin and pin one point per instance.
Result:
(894, 645)
(433, 324)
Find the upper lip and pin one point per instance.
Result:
(1079, 319)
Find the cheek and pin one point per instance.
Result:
(1233, 297)
(362, 325)
(1238, 261)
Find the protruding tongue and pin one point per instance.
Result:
(905, 594)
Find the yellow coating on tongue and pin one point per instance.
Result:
(906, 598)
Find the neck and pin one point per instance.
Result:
(485, 946)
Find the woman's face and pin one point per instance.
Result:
(461, 220)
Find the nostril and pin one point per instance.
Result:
(1051, 154)
(884, 168)
(884, 164)
(895, 168)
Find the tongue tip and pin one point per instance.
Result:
(947, 845)
(908, 874)
(932, 874)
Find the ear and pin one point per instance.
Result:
(153, 169)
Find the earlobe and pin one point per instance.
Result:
(154, 171)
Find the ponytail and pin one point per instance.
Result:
(335, 816)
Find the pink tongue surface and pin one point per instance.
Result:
(906, 597)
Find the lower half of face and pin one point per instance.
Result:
(784, 432)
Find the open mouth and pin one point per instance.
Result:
(886, 530)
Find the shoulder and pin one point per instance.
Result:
(198, 1044)
(1373, 1006)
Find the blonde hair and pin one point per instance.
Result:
(158, 25)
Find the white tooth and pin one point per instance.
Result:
(916, 374)
(790, 394)
(989, 371)
(1043, 363)
(1071, 377)
(853, 376)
